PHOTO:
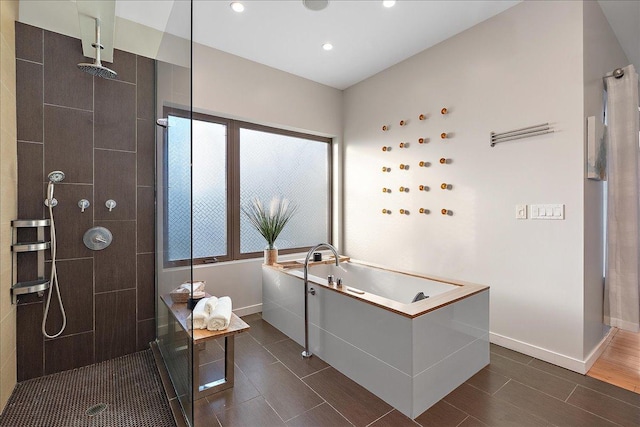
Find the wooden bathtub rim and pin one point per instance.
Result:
(412, 310)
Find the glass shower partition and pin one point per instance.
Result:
(174, 260)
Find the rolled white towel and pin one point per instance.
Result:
(210, 305)
(199, 315)
(197, 286)
(221, 315)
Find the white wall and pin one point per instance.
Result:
(531, 64)
(233, 87)
(520, 68)
(602, 54)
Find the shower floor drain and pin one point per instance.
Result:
(96, 409)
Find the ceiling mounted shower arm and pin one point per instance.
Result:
(105, 12)
(97, 45)
(97, 69)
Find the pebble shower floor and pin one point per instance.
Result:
(130, 386)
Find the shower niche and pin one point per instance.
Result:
(40, 245)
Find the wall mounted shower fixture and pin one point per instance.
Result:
(83, 204)
(54, 178)
(110, 204)
(96, 68)
(97, 238)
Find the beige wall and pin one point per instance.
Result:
(8, 194)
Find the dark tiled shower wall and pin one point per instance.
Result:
(101, 133)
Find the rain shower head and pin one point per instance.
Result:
(96, 68)
(56, 176)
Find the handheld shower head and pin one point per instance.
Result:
(56, 176)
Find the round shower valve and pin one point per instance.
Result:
(97, 238)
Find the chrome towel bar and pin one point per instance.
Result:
(526, 132)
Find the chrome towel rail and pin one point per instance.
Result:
(497, 138)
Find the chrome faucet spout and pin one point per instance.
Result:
(307, 353)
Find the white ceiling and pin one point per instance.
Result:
(367, 37)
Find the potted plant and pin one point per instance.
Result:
(269, 223)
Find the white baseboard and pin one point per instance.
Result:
(595, 354)
(576, 365)
(245, 311)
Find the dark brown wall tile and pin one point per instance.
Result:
(68, 143)
(146, 220)
(115, 266)
(146, 286)
(56, 124)
(124, 63)
(62, 354)
(30, 178)
(70, 222)
(28, 42)
(115, 324)
(75, 278)
(146, 151)
(115, 179)
(64, 83)
(115, 104)
(30, 342)
(29, 103)
(146, 88)
(146, 333)
(27, 270)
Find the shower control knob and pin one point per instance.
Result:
(83, 204)
(97, 238)
(110, 204)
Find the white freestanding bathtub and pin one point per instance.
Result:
(410, 355)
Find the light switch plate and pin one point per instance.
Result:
(547, 211)
(521, 211)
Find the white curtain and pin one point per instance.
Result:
(622, 277)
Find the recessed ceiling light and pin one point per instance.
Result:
(315, 5)
(237, 6)
(389, 3)
(327, 46)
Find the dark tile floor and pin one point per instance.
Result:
(276, 387)
(122, 392)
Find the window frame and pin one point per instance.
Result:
(233, 186)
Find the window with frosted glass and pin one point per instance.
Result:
(204, 222)
(294, 168)
(209, 208)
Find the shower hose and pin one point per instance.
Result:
(54, 274)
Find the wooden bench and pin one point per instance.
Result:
(199, 337)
